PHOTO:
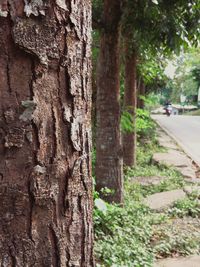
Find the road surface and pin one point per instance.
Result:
(185, 130)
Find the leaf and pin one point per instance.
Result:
(155, 2)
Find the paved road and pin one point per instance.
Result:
(185, 130)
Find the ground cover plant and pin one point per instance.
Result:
(132, 234)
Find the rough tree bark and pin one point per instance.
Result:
(130, 104)
(45, 104)
(108, 145)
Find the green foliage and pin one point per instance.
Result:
(156, 30)
(127, 122)
(93, 161)
(196, 73)
(189, 206)
(97, 10)
(145, 168)
(133, 235)
(95, 45)
(123, 236)
(152, 70)
(151, 101)
(179, 236)
(145, 126)
(186, 80)
(173, 180)
(168, 24)
(172, 244)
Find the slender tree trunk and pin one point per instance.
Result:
(141, 92)
(130, 103)
(45, 96)
(108, 145)
(138, 83)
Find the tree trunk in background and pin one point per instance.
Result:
(108, 145)
(45, 172)
(141, 92)
(130, 104)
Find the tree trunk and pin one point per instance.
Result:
(45, 172)
(130, 103)
(141, 92)
(108, 145)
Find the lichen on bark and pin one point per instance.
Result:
(35, 7)
(3, 9)
(36, 38)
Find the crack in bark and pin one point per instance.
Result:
(34, 126)
(76, 165)
(54, 143)
(37, 143)
(55, 216)
(65, 194)
(55, 247)
(84, 239)
(31, 206)
(12, 257)
(1, 177)
(59, 90)
(82, 178)
(8, 75)
(33, 78)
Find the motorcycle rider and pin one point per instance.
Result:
(168, 108)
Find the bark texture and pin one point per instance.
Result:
(45, 96)
(108, 144)
(130, 104)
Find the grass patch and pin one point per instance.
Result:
(189, 206)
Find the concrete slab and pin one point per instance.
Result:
(192, 189)
(193, 261)
(185, 130)
(165, 141)
(187, 172)
(172, 158)
(193, 181)
(164, 200)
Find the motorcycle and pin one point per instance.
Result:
(168, 110)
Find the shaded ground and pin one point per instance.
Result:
(175, 235)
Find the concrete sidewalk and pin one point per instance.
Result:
(193, 261)
(174, 156)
